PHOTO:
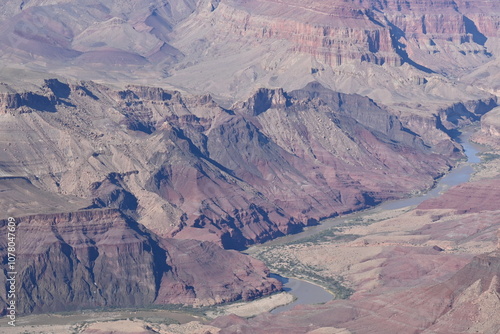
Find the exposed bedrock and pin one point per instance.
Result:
(432, 36)
(483, 195)
(186, 167)
(429, 35)
(490, 129)
(464, 113)
(424, 288)
(97, 258)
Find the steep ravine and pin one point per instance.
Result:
(194, 175)
(187, 168)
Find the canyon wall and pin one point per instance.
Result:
(186, 167)
(101, 258)
(391, 32)
(490, 129)
(404, 282)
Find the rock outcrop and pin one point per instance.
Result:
(421, 287)
(186, 167)
(490, 129)
(333, 32)
(98, 258)
(231, 48)
(153, 180)
(338, 32)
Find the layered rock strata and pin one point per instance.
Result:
(420, 288)
(490, 129)
(334, 33)
(186, 167)
(101, 258)
(367, 31)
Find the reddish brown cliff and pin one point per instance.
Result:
(186, 167)
(98, 258)
(430, 35)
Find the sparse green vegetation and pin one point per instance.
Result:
(282, 260)
(77, 328)
(486, 157)
(330, 235)
(285, 264)
(156, 320)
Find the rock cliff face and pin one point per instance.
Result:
(434, 269)
(154, 180)
(490, 129)
(231, 48)
(421, 287)
(334, 33)
(406, 55)
(186, 167)
(339, 32)
(97, 258)
(464, 113)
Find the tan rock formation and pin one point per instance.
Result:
(490, 129)
(186, 167)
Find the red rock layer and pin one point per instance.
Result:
(422, 289)
(431, 35)
(454, 306)
(188, 168)
(477, 196)
(98, 258)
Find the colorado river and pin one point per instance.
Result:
(304, 292)
(308, 293)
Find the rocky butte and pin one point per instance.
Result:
(142, 140)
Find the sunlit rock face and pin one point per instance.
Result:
(187, 168)
(232, 48)
(271, 116)
(101, 258)
(421, 289)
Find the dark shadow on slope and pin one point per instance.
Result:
(196, 151)
(61, 90)
(369, 14)
(471, 28)
(283, 280)
(39, 102)
(396, 35)
(160, 255)
(453, 133)
(88, 92)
